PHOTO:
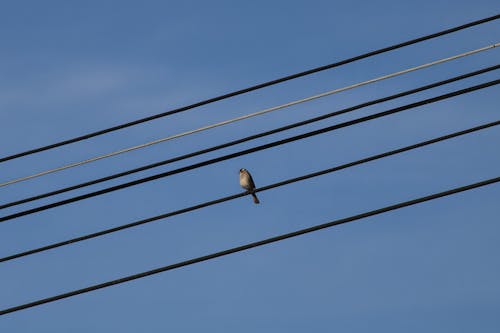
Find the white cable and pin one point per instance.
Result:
(258, 113)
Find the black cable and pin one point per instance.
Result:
(252, 88)
(250, 245)
(248, 151)
(235, 196)
(249, 138)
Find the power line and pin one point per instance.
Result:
(248, 138)
(247, 116)
(235, 196)
(252, 88)
(250, 246)
(250, 150)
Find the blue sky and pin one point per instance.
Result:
(67, 69)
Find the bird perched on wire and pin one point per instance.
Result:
(247, 183)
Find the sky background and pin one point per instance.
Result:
(68, 68)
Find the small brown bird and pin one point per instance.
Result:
(247, 183)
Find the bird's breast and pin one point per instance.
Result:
(244, 181)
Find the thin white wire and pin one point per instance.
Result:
(258, 113)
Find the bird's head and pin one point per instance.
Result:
(243, 170)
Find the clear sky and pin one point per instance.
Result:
(68, 68)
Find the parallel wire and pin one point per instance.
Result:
(250, 245)
(264, 188)
(248, 116)
(250, 150)
(253, 88)
(248, 138)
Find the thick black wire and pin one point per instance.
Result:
(250, 246)
(249, 138)
(248, 151)
(252, 88)
(235, 196)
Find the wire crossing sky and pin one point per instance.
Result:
(254, 114)
(78, 77)
(252, 137)
(248, 151)
(251, 245)
(255, 87)
(235, 196)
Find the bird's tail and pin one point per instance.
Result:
(255, 199)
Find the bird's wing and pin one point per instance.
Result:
(252, 184)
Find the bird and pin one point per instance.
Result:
(247, 183)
